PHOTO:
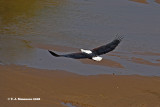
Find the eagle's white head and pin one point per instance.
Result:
(86, 51)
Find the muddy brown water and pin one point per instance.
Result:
(29, 28)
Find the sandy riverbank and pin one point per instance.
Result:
(55, 87)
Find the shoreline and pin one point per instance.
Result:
(55, 87)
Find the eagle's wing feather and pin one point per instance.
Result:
(78, 55)
(107, 48)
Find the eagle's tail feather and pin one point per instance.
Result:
(97, 58)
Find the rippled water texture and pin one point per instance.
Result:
(29, 28)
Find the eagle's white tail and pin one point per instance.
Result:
(97, 58)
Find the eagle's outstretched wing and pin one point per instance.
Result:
(78, 55)
(108, 47)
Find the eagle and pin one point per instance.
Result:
(93, 54)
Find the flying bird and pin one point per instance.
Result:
(94, 53)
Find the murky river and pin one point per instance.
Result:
(29, 28)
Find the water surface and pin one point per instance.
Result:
(81, 24)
